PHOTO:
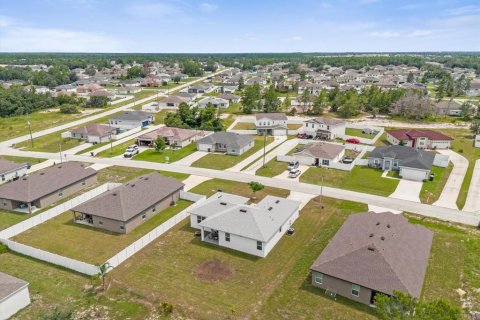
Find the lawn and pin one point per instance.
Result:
(250, 283)
(87, 243)
(120, 174)
(49, 143)
(358, 133)
(244, 126)
(294, 126)
(224, 161)
(431, 190)
(173, 155)
(360, 179)
(10, 218)
(116, 150)
(233, 108)
(16, 159)
(272, 168)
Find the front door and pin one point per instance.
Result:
(387, 165)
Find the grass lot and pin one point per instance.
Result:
(224, 161)
(116, 150)
(358, 133)
(361, 179)
(124, 174)
(16, 159)
(227, 122)
(272, 168)
(86, 243)
(242, 189)
(233, 108)
(174, 155)
(431, 190)
(244, 126)
(10, 218)
(294, 126)
(49, 143)
(244, 290)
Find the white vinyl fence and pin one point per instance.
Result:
(141, 243)
(52, 213)
(380, 131)
(72, 264)
(126, 133)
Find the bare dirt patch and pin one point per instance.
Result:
(213, 270)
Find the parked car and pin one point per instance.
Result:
(347, 160)
(369, 131)
(302, 136)
(290, 231)
(353, 140)
(293, 165)
(294, 173)
(130, 152)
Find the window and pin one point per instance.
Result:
(100, 222)
(227, 237)
(154, 209)
(60, 193)
(355, 290)
(144, 216)
(318, 278)
(280, 229)
(376, 161)
(325, 162)
(259, 245)
(122, 226)
(3, 177)
(4, 202)
(199, 219)
(84, 182)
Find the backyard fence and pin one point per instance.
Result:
(141, 243)
(51, 213)
(380, 131)
(72, 264)
(126, 133)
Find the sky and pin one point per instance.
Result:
(213, 26)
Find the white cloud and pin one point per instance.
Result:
(420, 33)
(159, 10)
(28, 39)
(385, 34)
(471, 9)
(6, 21)
(208, 7)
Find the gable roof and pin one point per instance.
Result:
(132, 115)
(217, 203)
(212, 100)
(259, 222)
(173, 99)
(278, 116)
(127, 201)
(94, 129)
(42, 183)
(410, 134)
(327, 121)
(170, 132)
(321, 150)
(410, 157)
(7, 165)
(380, 251)
(10, 285)
(227, 138)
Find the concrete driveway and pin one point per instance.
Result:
(304, 198)
(193, 180)
(283, 149)
(408, 190)
(473, 198)
(284, 174)
(191, 158)
(449, 195)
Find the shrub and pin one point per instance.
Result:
(460, 150)
(166, 307)
(68, 109)
(3, 248)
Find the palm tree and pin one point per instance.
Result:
(102, 272)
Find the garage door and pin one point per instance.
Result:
(410, 174)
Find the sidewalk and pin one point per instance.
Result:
(451, 190)
(473, 198)
(281, 150)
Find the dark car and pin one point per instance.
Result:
(290, 231)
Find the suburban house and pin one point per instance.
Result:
(320, 154)
(129, 90)
(412, 164)
(274, 124)
(45, 187)
(10, 170)
(474, 88)
(218, 103)
(229, 222)
(227, 142)
(230, 97)
(131, 119)
(200, 88)
(93, 133)
(14, 295)
(374, 253)
(324, 128)
(124, 208)
(177, 137)
(419, 139)
(189, 97)
(171, 102)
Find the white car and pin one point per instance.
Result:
(293, 165)
(130, 152)
(294, 173)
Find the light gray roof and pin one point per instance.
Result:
(327, 121)
(9, 285)
(409, 157)
(127, 201)
(380, 251)
(228, 138)
(8, 166)
(259, 222)
(212, 100)
(94, 129)
(132, 115)
(42, 183)
(271, 116)
(321, 150)
(218, 202)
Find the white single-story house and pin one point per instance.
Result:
(227, 142)
(129, 90)
(14, 295)
(10, 170)
(324, 128)
(171, 102)
(93, 133)
(274, 124)
(253, 229)
(171, 136)
(218, 103)
(320, 154)
(131, 119)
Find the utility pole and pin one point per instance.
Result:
(264, 144)
(60, 145)
(110, 137)
(29, 128)
(321, 192)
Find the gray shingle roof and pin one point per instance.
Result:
(218, 202)
(409, 157)
(321, 150)
(259, 222)
(228, 138)
(127, 201)
(7, 165)
(380, 251)
(42, 183)
(94, 129)
(327, 121)
(271, 116)
(133, 115)
(9, 285)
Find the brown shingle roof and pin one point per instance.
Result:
(321, 150)
(380, 251)
(127, 201)
(40, 184)
(7, 165)
(169, 132)
(9, 285)
(94, 129)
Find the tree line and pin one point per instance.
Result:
(56, 75)
(194, 118)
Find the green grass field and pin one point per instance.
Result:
(358, 133)
(431, 190)
(173, 155)
(361, 179)
(244, 126)
(224, 161)
(16, 159)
